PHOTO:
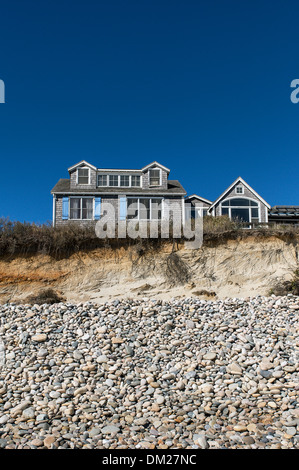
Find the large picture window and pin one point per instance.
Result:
(144, 208)
(242, 209)
(81, 208)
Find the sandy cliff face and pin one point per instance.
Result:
(236, 268)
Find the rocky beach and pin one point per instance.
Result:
(184, 373)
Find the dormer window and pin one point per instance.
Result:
(154, 177)
(83, 176)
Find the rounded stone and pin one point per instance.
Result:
(49, 440)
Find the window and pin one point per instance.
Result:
(102, 180)
(132, 212)
(239, 202)
(75, 208)
(240, 214)
(124, 180)
(154, 177)
(119, 180)
(83, 175)
(144, 208)
(113, 180)
(86, 208)
(254, 215)
(196, 212)
(81, 208)
(244, 210)
(239, 190)
(135, 180)
(156, 209)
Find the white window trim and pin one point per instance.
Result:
(138, 206)
(242, 207)
(54, 210)
(81, 197)
(83, 168)
(198, 209)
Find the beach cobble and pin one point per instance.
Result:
(150, 374)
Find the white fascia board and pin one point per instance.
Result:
(155, 164)
(199, 198)
(82, 163)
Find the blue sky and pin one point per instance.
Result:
(203, 87)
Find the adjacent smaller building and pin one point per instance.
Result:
(196, 206)
(239, 201)
(284, 215)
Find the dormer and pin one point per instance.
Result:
(82, 175)
(155, 176)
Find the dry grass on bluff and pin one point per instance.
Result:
(17, 238)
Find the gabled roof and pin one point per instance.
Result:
(199, 198)
(83, 162)
(239, 180)
(155, 164)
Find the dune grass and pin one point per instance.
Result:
(23, 238)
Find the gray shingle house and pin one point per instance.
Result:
(238, 201)
(142, 194)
